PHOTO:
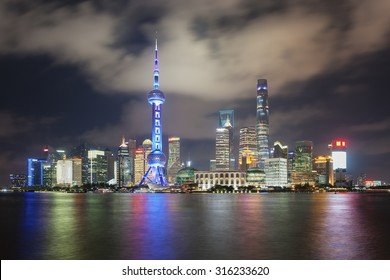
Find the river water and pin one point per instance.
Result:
(274, 226)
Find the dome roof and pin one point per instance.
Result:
(156, 95)
(147, 142)
(185, 175)
(186, 171)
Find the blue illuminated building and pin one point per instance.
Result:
(156, 158)
(35, 172)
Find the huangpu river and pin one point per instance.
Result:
(274, 226)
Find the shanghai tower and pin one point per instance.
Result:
(156, 158)
(262, 123)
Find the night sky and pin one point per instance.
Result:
(74, 71)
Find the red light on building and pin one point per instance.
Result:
(339, 144)
(45, 150)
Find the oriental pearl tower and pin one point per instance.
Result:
(155, 175)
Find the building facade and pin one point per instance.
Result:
(209, 179)
(226, 120)
(276, 172)
(35, 172)
(279, 151)
(223, 148)
(303, 156)
(65, 172)
(323, 165)
(18, 180)
(247, 152)
(174, 159)
(262, 123)
(339, 155)
(97, 169)
(141, 165)
(124, 166)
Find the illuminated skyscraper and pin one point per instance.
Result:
(97, 169)
(262, 122)
(174, 161)
(156, 159)
(247, 148)
(226, 120)
(276, 172)
(224, 159)
(339, 155)
(111, 164)
(303, 165)
(50, 165)
(140, 160)
(81, 151)
(76, 170)
(303, 156)
(124, 174)
(35, 172)
(64, 172)
(139, 165)
(225, 116)
(324, 167)
(279, 150)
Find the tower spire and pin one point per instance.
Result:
(156, 72)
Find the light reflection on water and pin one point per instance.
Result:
(195, 226)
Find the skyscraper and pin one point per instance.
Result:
(174, 160)
(97, 169)
(262, 122)
(81, 151)
(111, 162)
(303, 156)
(140, 160)
(50, 165)
(247, 153)
(226, 120)
(124, 174)
(324, 167)
(276, 172)
(35, 172)
(77, 179)
(279, 150)
(339, 155)
(223, 146)
(156, 159)
(65, 172)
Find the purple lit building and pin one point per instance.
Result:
(156, 158)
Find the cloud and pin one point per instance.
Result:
(379, 126)
(293, 44)
(13, 125)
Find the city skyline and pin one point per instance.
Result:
(74, 72)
